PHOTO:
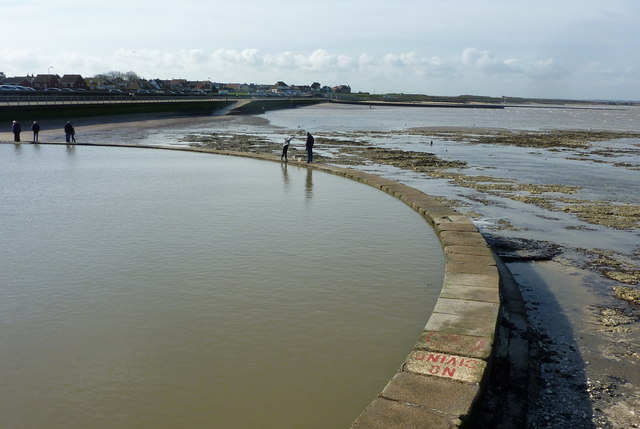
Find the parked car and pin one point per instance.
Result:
(52, 89)
(20, 88)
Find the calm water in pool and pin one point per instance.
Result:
(150, 288)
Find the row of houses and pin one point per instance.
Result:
(44, 81)
(134, 84)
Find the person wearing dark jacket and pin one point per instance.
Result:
(16, 129)
(309, 147)
(68, 131)
(36, 130)
(285, 148)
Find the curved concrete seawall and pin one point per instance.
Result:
(440, 381)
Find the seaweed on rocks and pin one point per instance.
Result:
(522, 249)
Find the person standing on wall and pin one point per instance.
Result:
(68, 131)
(16, 129)
(36, 130)
(309, 146)
(285, 148)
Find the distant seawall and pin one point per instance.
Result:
(441, 104)
(31, 109)
(37, 108)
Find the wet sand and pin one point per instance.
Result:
(583, 334)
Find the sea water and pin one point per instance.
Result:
(148, 288)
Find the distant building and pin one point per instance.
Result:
(73, 81)
(130, 82)
(280, 86)
(96, 83)
(237, 87)
(175, 85)
(18, 80)
(301, 88)
(44, 81)
(342, 89)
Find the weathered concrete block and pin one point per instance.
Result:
(452, 367)
(455, 223)
(435, 213)
(410, 195)
(460, 218)
(456, 226)
(463, 258)
(470, 268)
(461, 324)
(470, 308)
(385, 414)
(482, 249)
(463, 345)
(395, 188)
(358, 175)
(477, 280)
(446, 396)
(427, 201)
(462, 238)
(456, 291)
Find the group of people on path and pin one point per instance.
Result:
(16, 129)
(70, 137)
(308, 146)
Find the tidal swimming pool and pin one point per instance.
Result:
(148, 288)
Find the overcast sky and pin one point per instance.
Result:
(544, 48)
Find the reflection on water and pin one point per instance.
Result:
(151, 289)
(285, 175)
(308, 184)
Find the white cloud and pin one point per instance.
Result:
(246, 57)
(472, 70)
(406, 45)
(415, 64)
(485, 61)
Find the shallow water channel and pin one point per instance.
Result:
(149, 288)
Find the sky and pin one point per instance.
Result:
(543, 49)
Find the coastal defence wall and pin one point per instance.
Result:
(440, 382)
(73, 107)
